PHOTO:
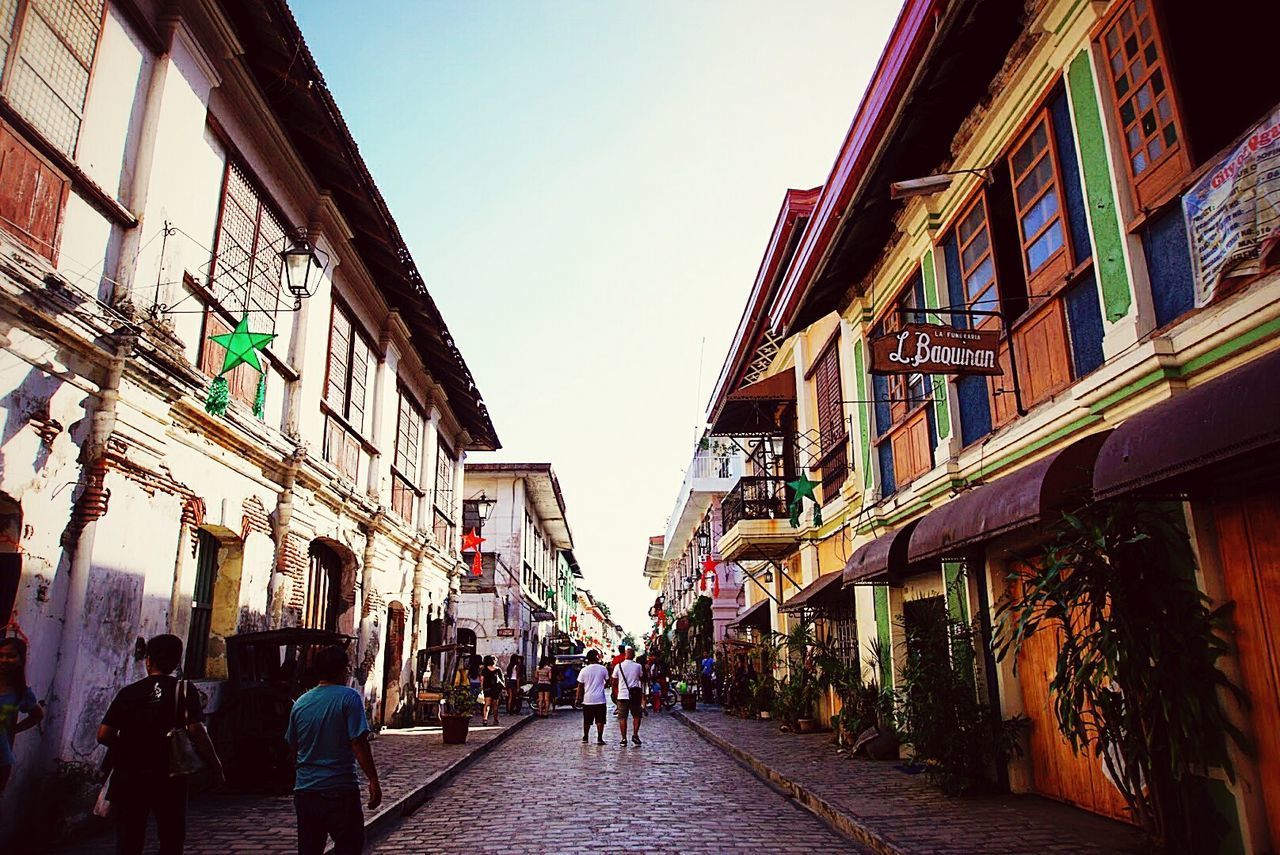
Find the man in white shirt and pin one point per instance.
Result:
(591, 695)
(628, 678)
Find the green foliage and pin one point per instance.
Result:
(798, 692)
(862, 704)
(763, 692)
(701, 628)
(959, 739)
(459, 699)
(1136, 680)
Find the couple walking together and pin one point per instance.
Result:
(628, 690)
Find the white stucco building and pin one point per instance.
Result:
(511, 607)
(146, 195)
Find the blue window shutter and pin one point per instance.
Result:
(887, 485)
(975, 408)
(1164, 242)
(880, 391)
(955, 287)
(1072, 192)
(1084, 320)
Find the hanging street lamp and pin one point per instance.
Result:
(304, 266)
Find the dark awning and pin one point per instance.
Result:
(880, 559)
(1172, 443)
(756, 408)
(1027, 495)
(757, 617)
(819, 592)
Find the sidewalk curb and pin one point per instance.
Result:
(411, 801)
(837, 819)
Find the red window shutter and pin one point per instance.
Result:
(32, 196)
(830, 409)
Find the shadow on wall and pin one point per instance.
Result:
(51, 792)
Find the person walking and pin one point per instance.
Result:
(542, 686)
(330, 734)
(657, 679)
(16, 699)
(591, 696)
(136, 731)
(709, 679)
(515, 673)
(628, 680)
(491, 688)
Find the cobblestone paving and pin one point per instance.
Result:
(544, 791)
(226, 823)
(906, 812)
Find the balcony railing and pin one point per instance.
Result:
(755, 497)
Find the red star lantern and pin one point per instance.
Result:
(709, 569)
(471, 543)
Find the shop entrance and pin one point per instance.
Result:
(1056, 770)
(1249, 544)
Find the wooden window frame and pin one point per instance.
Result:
(990, 293)
(443, 523)
(1164, 177)
(266, 207)
(406, 489)
(18, 34)
(1055, 269)
(908, 420)
(343, 441)
(833, 431)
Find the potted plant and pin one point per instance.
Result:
(457, 705)
(762, 695)
(688, 698)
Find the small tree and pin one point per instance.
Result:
(1136, 681)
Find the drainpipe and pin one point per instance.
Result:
(280, 519)
(89, 506)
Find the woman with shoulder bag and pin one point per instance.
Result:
(155, 732)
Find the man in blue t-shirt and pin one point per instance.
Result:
(329, 732)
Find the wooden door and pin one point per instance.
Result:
(393, 660)
(1249, 545)
(1056, 770)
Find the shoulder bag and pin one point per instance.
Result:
(184, 760)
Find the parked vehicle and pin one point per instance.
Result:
(266, 673)
(564, 678)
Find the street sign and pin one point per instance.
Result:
(506, 632)
(542, 614)
(936, 349)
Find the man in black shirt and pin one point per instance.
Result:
(136, 729)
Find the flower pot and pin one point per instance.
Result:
(455, 727)
(688, 702)
(806, 725)
(883, 746)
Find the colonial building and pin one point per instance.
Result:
(683, 565)
(511, 607)
(170, 173)
(1091, 183)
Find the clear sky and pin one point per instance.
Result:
(588, 187)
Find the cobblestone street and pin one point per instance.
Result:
(544, 791)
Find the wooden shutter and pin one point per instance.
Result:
(1044, 356)
(335, 393)
(32, 196)
(831, 428)
(360, 359)
(242, 381)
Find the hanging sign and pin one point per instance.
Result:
(1232, 212)
(936, 349)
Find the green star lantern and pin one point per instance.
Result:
(802, 487)
(242, 349)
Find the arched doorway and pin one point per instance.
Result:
(324, 603)
(393, 658)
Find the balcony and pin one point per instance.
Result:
(709, 474)
(756, 521)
